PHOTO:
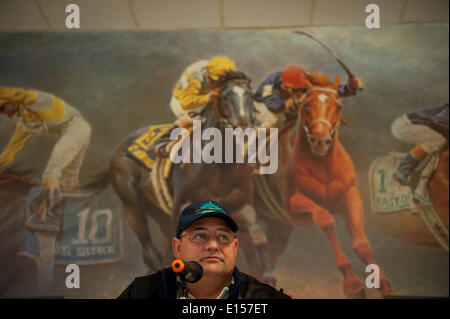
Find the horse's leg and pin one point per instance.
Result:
(300, 204)
(168, 229)
(164, 221)
(352, 209)
(278, 235)
(246, 217)
(125, 185)
(251, 254)
(138, 222)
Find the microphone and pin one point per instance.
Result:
(190, 271)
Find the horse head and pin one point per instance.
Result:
(319, 114)
(234, 108)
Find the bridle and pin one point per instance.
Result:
(223, 115)
(319, 120)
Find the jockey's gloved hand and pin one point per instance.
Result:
(289, 104)
(355, 83)
(292, 105)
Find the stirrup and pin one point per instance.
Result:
(37, 225)
(49, 215)
(405, 169)
(402, 180)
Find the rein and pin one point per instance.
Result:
(9, 178)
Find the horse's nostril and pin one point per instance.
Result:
(321, 141)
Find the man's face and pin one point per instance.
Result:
(216, 258)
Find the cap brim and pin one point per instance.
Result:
(214, 213)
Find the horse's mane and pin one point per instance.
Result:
(224, 79)
(229, 76)
(318, 79)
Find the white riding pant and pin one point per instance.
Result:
(417, 134)
(68, 154)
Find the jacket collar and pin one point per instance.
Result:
(168, 288)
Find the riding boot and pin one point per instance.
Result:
(50, 221)
(159, 146)
(405, 169)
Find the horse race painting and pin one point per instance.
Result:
(328, 145)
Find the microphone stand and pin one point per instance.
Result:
(182, 286)
(182, 278)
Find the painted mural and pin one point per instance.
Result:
(329, 145)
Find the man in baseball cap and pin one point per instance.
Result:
(204, 209)
(206, 234)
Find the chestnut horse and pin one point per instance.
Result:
(317, 179)
(411, 227)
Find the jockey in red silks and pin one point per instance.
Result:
(281, 91)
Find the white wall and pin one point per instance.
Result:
(114, 15)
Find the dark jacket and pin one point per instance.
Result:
(162, 285)
(435, 118)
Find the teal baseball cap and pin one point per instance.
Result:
(203, 209)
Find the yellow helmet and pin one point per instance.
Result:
(16, 95)
(219, 66)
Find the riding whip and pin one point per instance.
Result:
(347, 70)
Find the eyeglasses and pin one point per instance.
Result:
(201, 236)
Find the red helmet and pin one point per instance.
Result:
(294, 77)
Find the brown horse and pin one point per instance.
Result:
(411, 227)
(317, 179)
(230, 184)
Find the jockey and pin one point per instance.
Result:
(427, 129)
(281, 91)
(193, 91)
(41, 112)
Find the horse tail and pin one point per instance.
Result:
(91, 189)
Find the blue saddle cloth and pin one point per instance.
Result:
(90, 235)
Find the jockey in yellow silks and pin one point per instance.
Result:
(194, 89)
(41, 112)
